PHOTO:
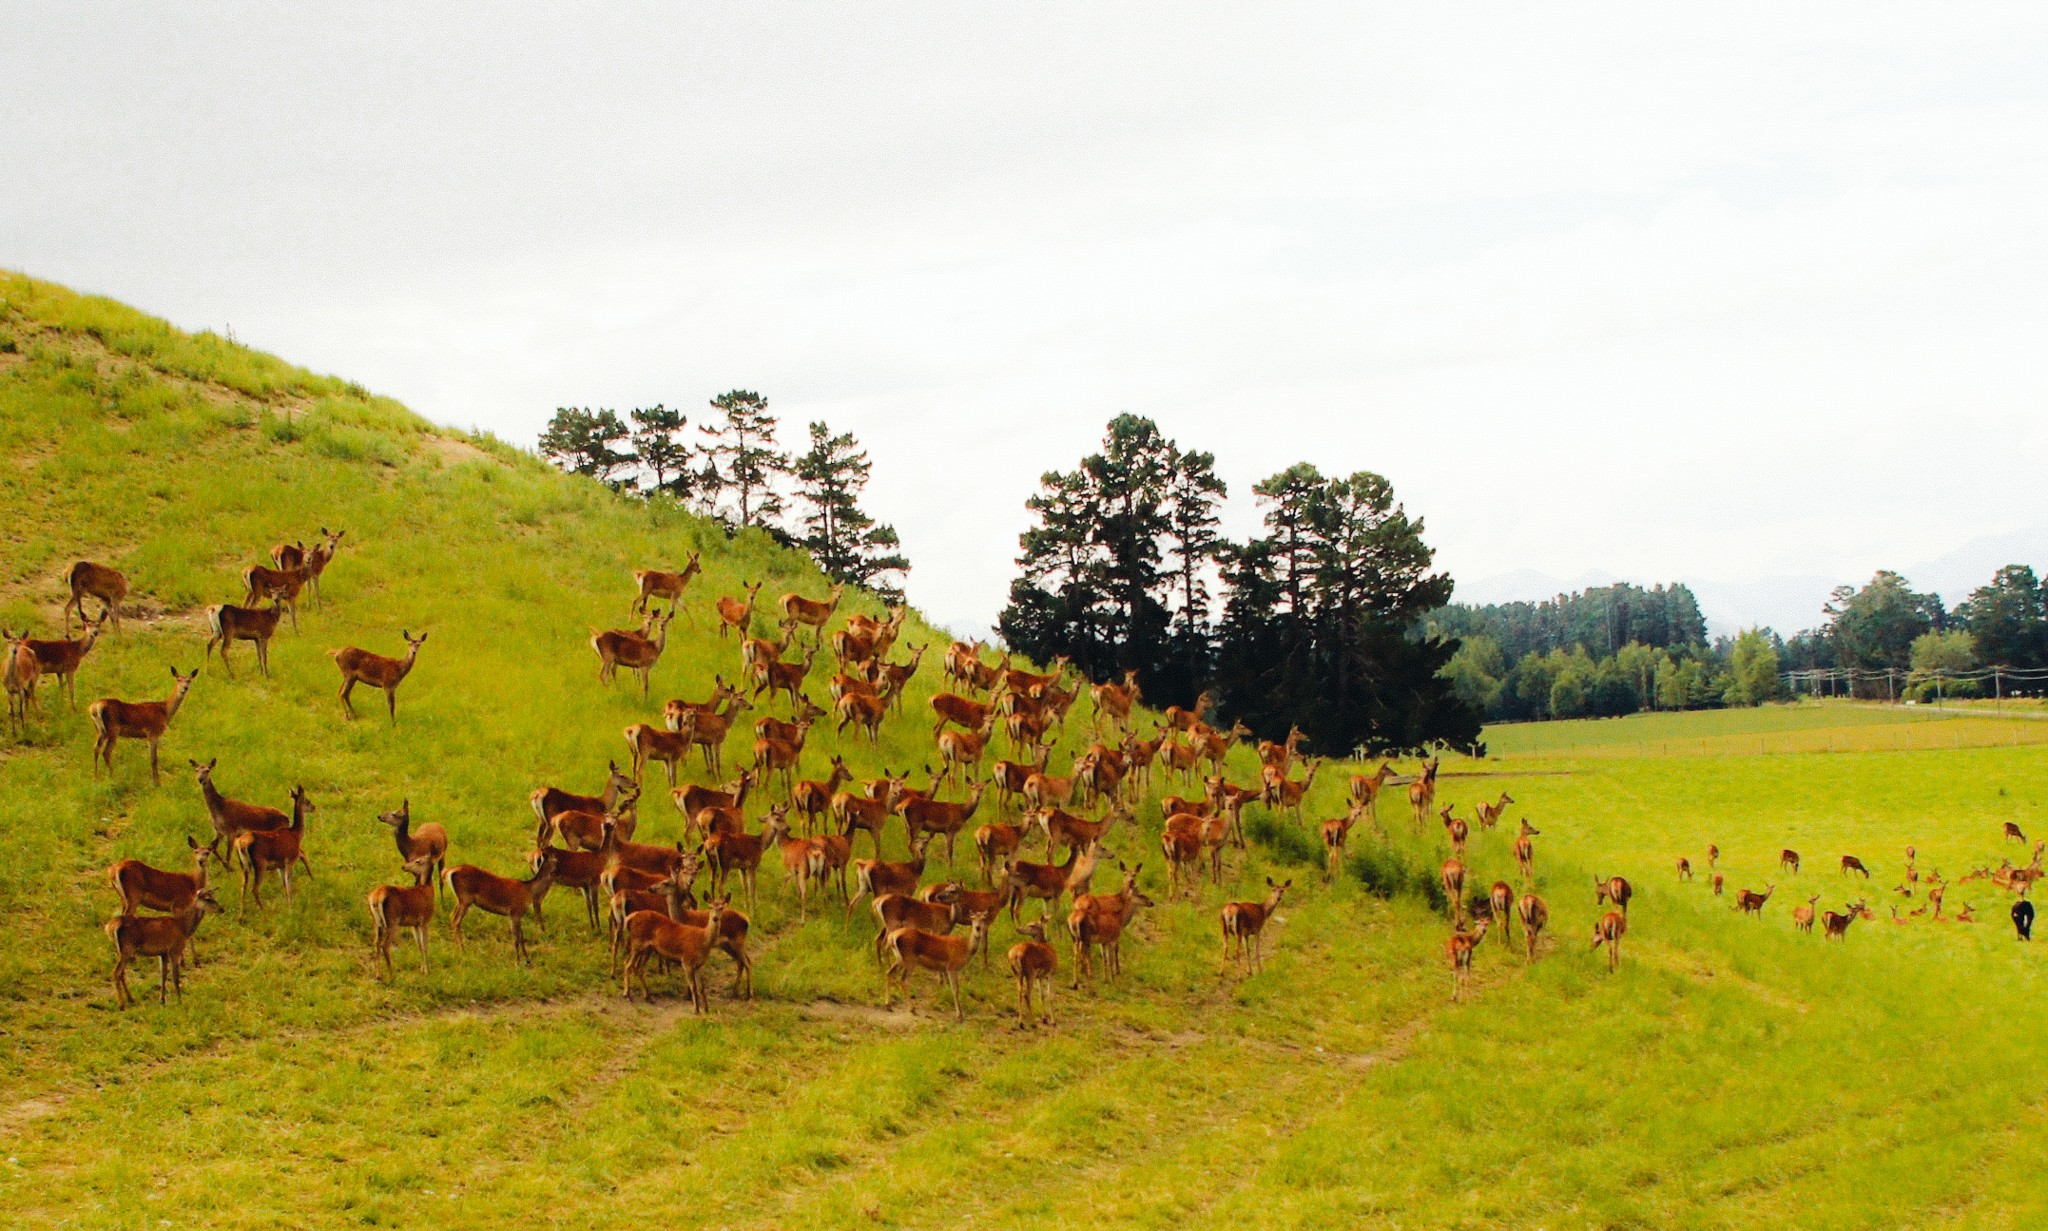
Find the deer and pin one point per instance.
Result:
(1535, 916)
(1182, 847)
(471, 886)
(23, 670)
(1684, 868)
(1802, 916)
(1613, 889)
(1422, 792)
(803, 861)
(874, 877)
(1335, 833)
(1836, 927)
(627, 891)
(1750, 902)
(995, 844)
(1365, 790)
(653, 584)
(961, 750)
(114, 721)
(582, 870)
(1043, 791)
(728, 853)
(429, 841)
(1717, 884)
(1034, 964)
(650, 933)
(231, 818)
(896, 677)
(1500, 907)
(60, 659)
(773, 757)
(2022, 918)
(814, 799)
(548, 802)
(256, 625)
(775, 677)
(646, 742)
(1245, 923)
(1452, 877)
(314, 561)
(2013, 833)
(961, 712)
(1713, 856)
(1459, 949)
(1114, 702)
(730, 932)
(676, 711)
(708, 731)
(945, 956)
(810, 612)
(1099, 920)
(1489, 814)
(1852, 864)
(1178, 719)
(856, 813)
(637, 652)
(1788, 861)
(409, 907)
(1525, 850)
(864, 711)
(140, 886)
(1066, 829)
(935, 817)
(1281, 793)
(584, 831)
(934, 909)
(362, 667)
(98, 581)
(737, 616)
(1048, 882)
(1457, 830)
(274, 850)
(1609, 931)
(163, 937)
(1280, 756)
(280, 587)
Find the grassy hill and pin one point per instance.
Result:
(1732, 1072)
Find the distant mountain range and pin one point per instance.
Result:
(1785, 602)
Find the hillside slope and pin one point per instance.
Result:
(1730, 1072)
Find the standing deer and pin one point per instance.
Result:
(1750, 902)
(637, 652)
(1713, 856)
(1489, 814)
(1099, 920)
(1034, 963)
(1365, 790)
(23, 670)
(60, 659)
(874, 877)
(280, 586)
(1452, 877)
(428, 842)
(1684, 868)
(650, 933)
(1335, 833)
(810, 612)
(944, 956)
(1458, 831)
(1613, 889)
(1114, 701)
(2013, 833)
(1535, 916)
(89, 580)
(138, 885)
(1525, 850)
(1836, 927)
(274, 850)
(1246, 922)
(315, 561)
(362, 667)
(737, 616)
(1459, 949)
(1422, 792)
(255, 625)
(114, 721)
(232, 818)
(398, 906)
(471, 886)
(1788, 861)
(1609, 931)
(1802, 916)
(708, 731)
(655, 584)
(814, 799)
(163, 937)
(1500, 907)
(548, 802)
(727, 853)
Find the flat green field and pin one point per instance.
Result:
(1732, 1072)
(1808, 726)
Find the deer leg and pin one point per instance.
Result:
(163, 980)
(455, 922)
(391, 703)
(959, 1010)
(348, 686)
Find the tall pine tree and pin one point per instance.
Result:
(661, 452)
(847, 543)
(589, 442)
(740, 446)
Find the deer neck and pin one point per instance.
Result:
(405, 664)
(216, 803)
(177, 698)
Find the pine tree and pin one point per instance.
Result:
(661, 452)
(743, 457)
(584, 441)
(847, 543)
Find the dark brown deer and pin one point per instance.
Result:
(1613, 889)
(60, 659)
(1852, 864)
(256, 625)
(140, 886)
(1836, 927)
(636, 652)
(1750, 902)
(2013, 833)
(1788, 861)
(1684, 868)
(1244, 925)
(410, 907)
(163, 937)
(1034, 963)
(1608, 931)
(499, 895)
(279, 587)
(316, 561)
(548, 802)
(654, 583)
(23, 670)
(114, 721)
(875, 877)
(274, 850)
(232, 818)
(428, 842)
(89, 580)
(580, 870)
(362, 667)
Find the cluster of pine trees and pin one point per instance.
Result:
(1320, 619)
(736, 473)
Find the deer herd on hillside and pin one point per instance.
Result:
(1040, 841)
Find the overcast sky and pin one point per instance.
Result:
(1660, 291)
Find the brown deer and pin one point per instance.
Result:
(731, 930)
(1713, 856)
(580, 870)
(1066, 829)
(1034, 963)
(232, 818)
(775, 677)
(1750, 902)
(803, 861)
(934, 909)
(636, 652)
(741, 853)
(1365, 790)
(140, 886)
(471, 886)
(1182, 847)
(1525, 850)
(1500, 907)
(1802, 916)
(1114, 702)
(675, 711)
(945, 956)
(256, 625)
(961, 750)
(1609, 931)
(1613, 889)
(1281, 793)
(856, 813)
(654, 583)
(874, 877)
(279, 587)
(1049, 882)
(60, 659)
(1457, 830)
(863, 711)
(1852, 864)
(1178, 719)
(814, 799)
(114, 721)
(1788, 861)
(399, 906)
(1535, 916)
(1684, 868)
(1836, 927)
(1335, 833)
(648, 742)
(1452, 877)
(23, 670)
(1244, 923)
(314, 562)
(708, 731)
(2013, 833)
(428, 842)
(362, 667)
(163, 937)
(995, 845)
(1459, 949)
(736, 616)
(1422, 792)
(937, 818)
(650, 933)
(777, 758)
(810, 612)
(1097, 921)
(1718, 882)
(547, 802)
(89, 580)
(274, 850)
(1043, 790)
(1280, 756)
(1489, 814)
(961, 712)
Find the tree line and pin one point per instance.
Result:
(1320, 616)
(735, 473)
(1892, 641)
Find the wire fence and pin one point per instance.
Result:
(1867, 681)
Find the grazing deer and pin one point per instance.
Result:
(1609, 931)
(232, 818)
(140, 886)
(399, 906)
(1049, 882)
(362, 667)
(1244, 923)
(650, 933)
(874, 877)
(255, 625)
(727, 853)
(274, 850)
(1525, 850)
(708, 731)
(89, 580)
(737, 616)
(1802, 916)
(1422, 792)
(814, 799)
(163, 937)
(1788, 860)
(936, 818)
(945, 956)
(1713, 856)
(1613, 889)
(1750, 902)
(1535, 916)
(1097, 921)
(2022, 918)
(23, 670)
(279, 587)
(1459, 949)
(654, 584)
(1452, 877)
(471, 886)
(1852, 864)
(1335, 833)
(809, 612)
(2013, 833)
(1365, 790)
(428, 842)
(114, 721)
(637, 652)
(548, 802)
(60, 659)
(1034, 963)
(1836, 927)
(1684, 868)
(1489, 814)
(1717, 884)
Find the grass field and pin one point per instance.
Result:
(1809, 726)
(1731, 1073)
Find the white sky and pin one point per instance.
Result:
(1709, 292)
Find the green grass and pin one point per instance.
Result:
(1732, 1073)
(1807, 726)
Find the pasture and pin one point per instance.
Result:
(1731, 1072)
